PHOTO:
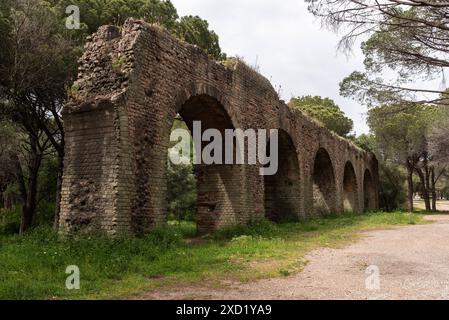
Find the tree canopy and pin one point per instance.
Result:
(402, 136)
(325, 111)
(38, 62)
(407, 38)
(400, 132)
(191, 29)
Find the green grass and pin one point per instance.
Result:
(33, 266)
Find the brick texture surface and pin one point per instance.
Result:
(133, 82)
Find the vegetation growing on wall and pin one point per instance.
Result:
(325, 111)
(33, 90)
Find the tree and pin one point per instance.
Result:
(438, 147)
(27, 147)
(7, 165)
(95, 13)
(192, 29)
(408, 37)
(401, 136)
(366, 142)
(181, 181)
(181, 191)
(392, 177)
(195, 30)
(33, 88)
(325, 111)
(438, 138)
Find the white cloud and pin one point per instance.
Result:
(289, 44)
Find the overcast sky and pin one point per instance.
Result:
(288, 43)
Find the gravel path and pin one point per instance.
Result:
(413, 263)
(442, 205)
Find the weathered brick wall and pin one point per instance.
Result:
(131, 86)
(283, 190)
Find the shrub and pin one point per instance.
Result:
(165, 237)
(182, 192)
(10, 220)
(255, 228)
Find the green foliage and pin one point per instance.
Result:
(182, 192)
(192, 29)
(400, 49)
(398, 133)
(95, 13)
(254, 229)
(10, 221)
(181, 183)
(40, 32)
(366, 142)
(33, 29)
(393, 191)
(195, 30)
(72, 90)
(400, 130)
(33, 266)
(10, 218)
(117, 64)
(392, 187)
(45, 213)
(406, 42)
(48, 176)
(325, 111)
(8, 145)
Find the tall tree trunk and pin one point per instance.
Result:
(409, 186)
(29, 191)
(59, 146)
(433, 189)
(29, 208)
(427, 188)
(58, 190)
(425, 192)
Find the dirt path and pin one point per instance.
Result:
(442, 205)
(413, 263)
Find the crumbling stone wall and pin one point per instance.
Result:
(131, 86)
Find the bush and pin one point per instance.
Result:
(182, 192)
(10, 220)
(255, 228)
(165, 237)
(393, 191)
(45, 214)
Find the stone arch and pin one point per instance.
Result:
(369, 193)
(219, 186)
(350, 188)
(324, 189)
(282, 190)
(117, 128)
(195, 89)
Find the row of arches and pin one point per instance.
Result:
(282, 191)
(218, 185)
(117, 177)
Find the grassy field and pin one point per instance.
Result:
(33, 266)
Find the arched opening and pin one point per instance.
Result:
(181, 178)
(349, 188)
(282, 190)
(369, 193)
(214, 190)
(323, 184)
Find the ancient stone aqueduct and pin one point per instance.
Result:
(133, 82)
